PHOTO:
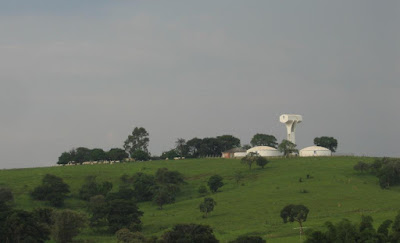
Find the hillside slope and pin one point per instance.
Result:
(335, 191)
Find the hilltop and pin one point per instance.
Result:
(332, 192)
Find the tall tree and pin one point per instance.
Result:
(117, 154)
(228, 141)
(194, 145)
(207, 206)
(53, 190)
(67, 224)
(297, 213)
(138, 140)
(260, 139)
(287, 148)
(326, 142)
(181, 146)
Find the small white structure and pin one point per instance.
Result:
(315, 151)
(291, 121)
(265, 151)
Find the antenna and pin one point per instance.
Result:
(291, 121)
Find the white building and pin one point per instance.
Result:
(315, 151)
(265, 151)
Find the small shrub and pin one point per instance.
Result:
(303, 191)
(202, 190)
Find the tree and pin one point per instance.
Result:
(67, 224)
(297, 213)
(139, 140)
(171, 154)
(123, 214)
(215, 182)
(287, 148)
(261, 161)
(361, 166)
(207, 206)
(97, 154)
(181, 146)
(143, 186)
(194, 145)
(260, 139)
(82, 154)
(23, 226)
(249, 159)
(163, 195)
(98, 208)
(126, 236)
(228, 142)
(248, 239)
(140, 155)
(165, 177)
(326, 142)
(192, 233)
(64, 158)
(53, 190)
(92, 188)
(117, 154)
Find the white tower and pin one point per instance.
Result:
(291, 121)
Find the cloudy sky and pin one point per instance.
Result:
(85, 73)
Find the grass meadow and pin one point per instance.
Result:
(252, 206)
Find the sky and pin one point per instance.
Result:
(85, 73)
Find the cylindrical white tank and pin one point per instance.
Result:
(315, 151)
(265, 151)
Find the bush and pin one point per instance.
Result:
(202, 190)
(123, 214)
(53, 190)
(67, 225)
(193, 233)
(92, 188)
(207, 206)
(214, 183)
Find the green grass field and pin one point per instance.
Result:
(336, 191)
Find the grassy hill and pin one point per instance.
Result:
(335, 191)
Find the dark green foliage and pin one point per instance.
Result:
(98, 208)
(64, 158)
(92, 188)
(197, 147)
(228, 142)
(248, 239)
(66, 225)
(97, 155)
(116, 154)
(263, 140)
(140, 155)
(143, 186)
(249, 159)
(171, 154)
(297, 213)
(207, 206)
(22, 226)
(123, 214)
(165, 176)
(215, 182)
(137, 141)
(126, 236)
(44, 215)
(189, 233)
(6, 195)
(326, 142)
(164, 195)
(53, 190)
(286, 147)
(82, 154)
(181, 147)
(346, 231)
(261, 161)
(361, 166)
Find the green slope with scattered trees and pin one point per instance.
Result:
(249, 202)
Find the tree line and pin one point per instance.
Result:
(136, 147)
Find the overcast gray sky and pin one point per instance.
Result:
(85, 73)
